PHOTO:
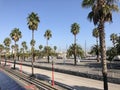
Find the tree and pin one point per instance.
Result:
(7, 42)
(33, 21)
(55, 48)
(24, 46)
(12, 46)
(118, 45)
(32, 43)
(113, 38)
(101, 12)
(17, 51)
(95, 34)
(79, 51)
(111, 52)
(48, 35)
(15, 35)
(40, 52)
(95, 50)
(1, 49)
(75, 30)
(40, 47)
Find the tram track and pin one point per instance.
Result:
(29, 79)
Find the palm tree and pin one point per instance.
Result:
(32, 43)
(33, 21)
(40, 52)
(17, 51)
(79, 51)
(40, 47)
(101, 12)
(47, 35)
(24, 46)
(75, 30)
(113, 38)
(118, 45)
(12, 46)
(7, 42)
(15, 35)
(95, 34)
(55, 48)
(1, 49)
(95, 50)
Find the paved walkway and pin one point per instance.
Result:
(78, 83)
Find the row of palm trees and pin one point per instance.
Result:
(111, 51)
(33, 21)
(101, 12)
(115, 49)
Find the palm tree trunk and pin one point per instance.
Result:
(23, 55)
(97, 50)
(5, 58)
(32, 54)
(47, 52)
(103, 53)
(0, 58)
(15, 55)
(75, 50)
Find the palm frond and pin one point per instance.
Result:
(90, 16)
(88, 3)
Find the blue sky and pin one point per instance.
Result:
(56, 15)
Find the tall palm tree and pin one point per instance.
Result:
(79, 51)
(32, 43)
(113, 38)
(17, 51)
(55, 48)
(75, 30)
(24, 46)
(95, 34)
(33, 21)
(118, 45)
(40, 47)
(7, 43)
(40, 52)
(95, 49)
(47, 35)
(101, 12)
(15, 35)
(12, 46)
(1, 49)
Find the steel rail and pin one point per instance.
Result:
(31, 80)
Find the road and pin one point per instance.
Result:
(79, 83)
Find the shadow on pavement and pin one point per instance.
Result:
(42, 77)
(85, 88)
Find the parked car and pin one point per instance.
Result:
(116, 58)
